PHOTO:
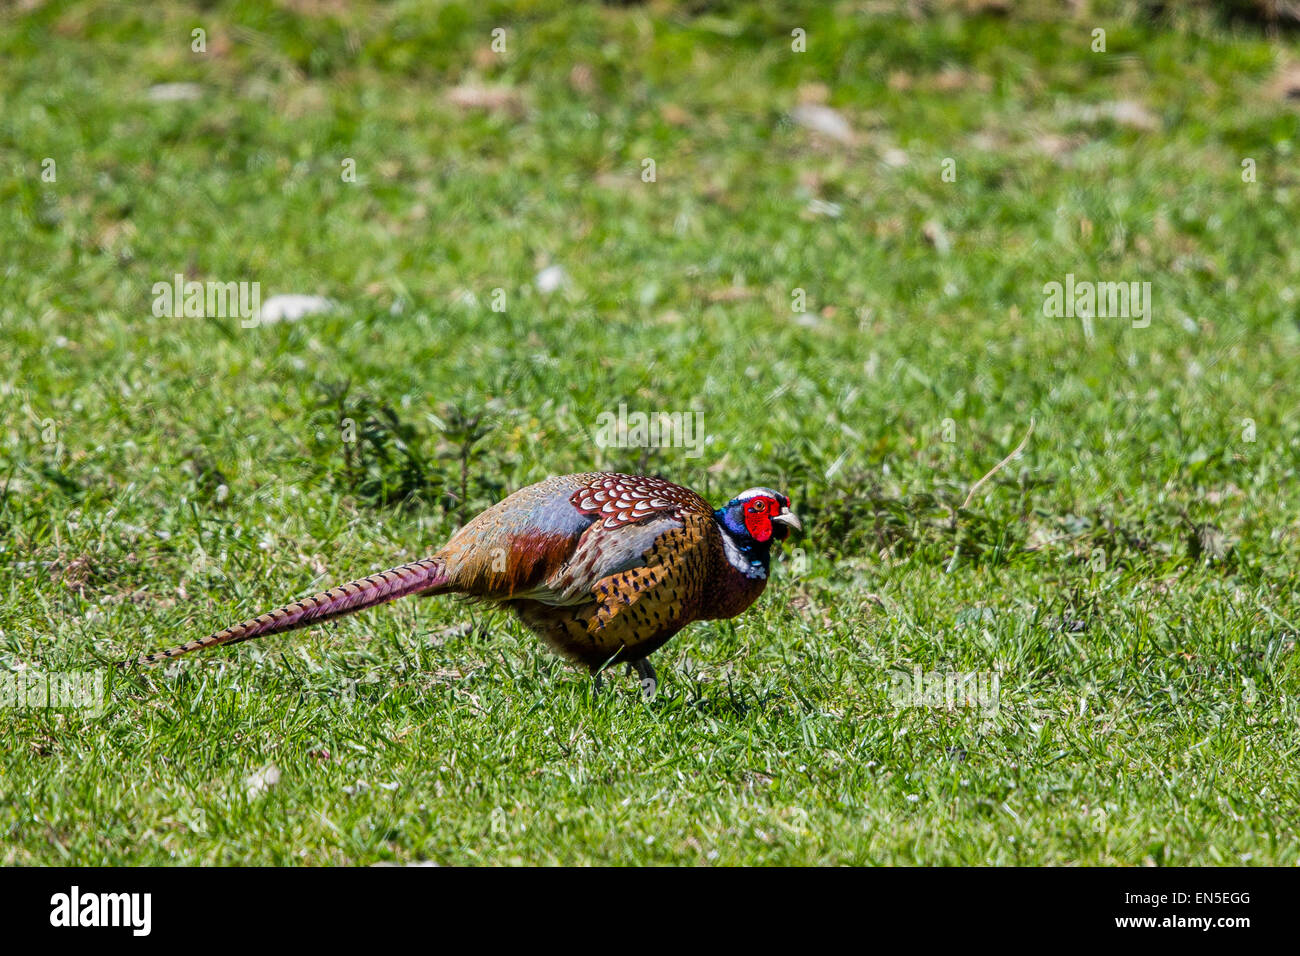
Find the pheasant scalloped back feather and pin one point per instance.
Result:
(605, 567)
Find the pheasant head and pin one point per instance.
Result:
(750, 522)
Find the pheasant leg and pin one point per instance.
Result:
(649, 680)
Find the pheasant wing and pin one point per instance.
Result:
(553, 541)
(630, 514)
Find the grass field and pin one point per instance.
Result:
(1130, 578)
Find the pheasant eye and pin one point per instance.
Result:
(760, 506)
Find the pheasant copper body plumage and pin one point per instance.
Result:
(605, 567)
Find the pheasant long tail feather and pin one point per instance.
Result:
(336, 602)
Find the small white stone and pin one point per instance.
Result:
(820, 207)
(824, 120)
(551, 279)
(173, 92)
(262, 781)
(292, 307)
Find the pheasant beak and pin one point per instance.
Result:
(789, 517)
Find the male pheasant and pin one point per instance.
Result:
(605, 567)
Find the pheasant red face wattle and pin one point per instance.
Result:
(758, 517)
